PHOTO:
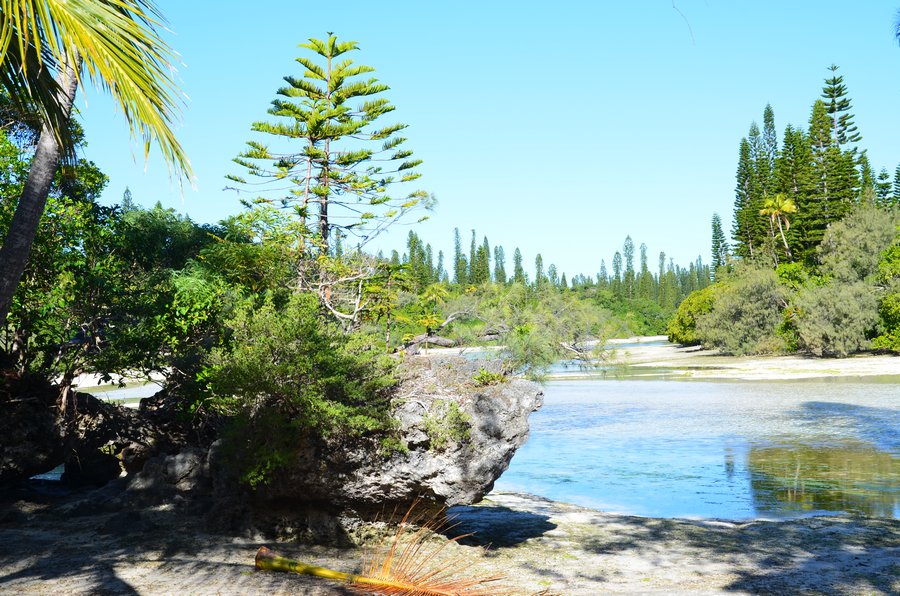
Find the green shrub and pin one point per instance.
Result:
(835, 319)
(287, 373)
(889, 311)
(447, 424)
(745, 313)
(851, 248)
(682, 328)
(889, 308)
(485, 377)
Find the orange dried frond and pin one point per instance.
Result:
(412, 567)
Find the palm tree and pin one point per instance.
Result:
(778, 207)
(49, 47)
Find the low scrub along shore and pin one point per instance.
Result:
(541, 546)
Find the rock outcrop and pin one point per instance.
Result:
(95, 440)
(457, 428)
(32, 440)
(457, 435)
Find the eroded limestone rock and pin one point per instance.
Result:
(457, 437)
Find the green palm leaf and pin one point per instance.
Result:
(114, 43)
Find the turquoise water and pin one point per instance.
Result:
(728, 450)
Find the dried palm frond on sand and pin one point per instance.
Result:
(409, 566)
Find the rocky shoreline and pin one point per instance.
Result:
(166, 529)
(49, 546)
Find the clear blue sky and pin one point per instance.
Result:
(558, 127)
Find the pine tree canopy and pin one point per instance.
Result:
(333, 165)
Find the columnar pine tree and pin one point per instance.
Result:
(539, 278)
(661, 296)
(645, 279)
(628, 278)
(762, 175)
(866, 178)
(499, 265)
(552, 276)
(439, 273)
(835, 177)
(897, 185)
(518, 269)
(429, 266)
(460, 264)
(766, 164)
(719, 246)
(603, 276)
(481, 265)
(615, 281)
(883, 188)
(838, 108)
(745, 200)
(672, 292)
(795, 179)
(472, 248)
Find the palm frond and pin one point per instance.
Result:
(409, 566)
(115, 43)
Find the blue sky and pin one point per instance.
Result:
(558, 127)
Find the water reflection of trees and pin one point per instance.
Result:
(854, 477)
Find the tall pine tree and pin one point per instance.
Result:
(838, 106)
(746, 208)
(897, 185)
(628, 278)
(518, 269)
(460, 264)
(883, 189)
(539, 278)
(719, 246)
(499, 265)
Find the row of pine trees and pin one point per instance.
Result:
(483, 264)
(787, 196)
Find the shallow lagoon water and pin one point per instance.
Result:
(727, 450)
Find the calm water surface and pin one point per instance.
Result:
(731, 450)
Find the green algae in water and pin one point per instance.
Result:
(854, 478)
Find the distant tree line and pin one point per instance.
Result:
(667, 285)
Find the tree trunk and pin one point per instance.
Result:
(787, 249)
(17, 245)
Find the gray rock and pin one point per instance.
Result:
(459, 438)
(171, 478)
(32, 438)
(95, 440)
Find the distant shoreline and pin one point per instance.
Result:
(672, 361)
(643, 357)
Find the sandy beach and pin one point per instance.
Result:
(542, 547)
(646, 357)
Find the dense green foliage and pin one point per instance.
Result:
(340, 166)
(746, 309)
(285, 372)
(815, 235)
(682, 327)
(835, 319)
(270, 326)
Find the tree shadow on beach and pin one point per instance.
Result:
(161, 550)
(495, 526)
(819, 555)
